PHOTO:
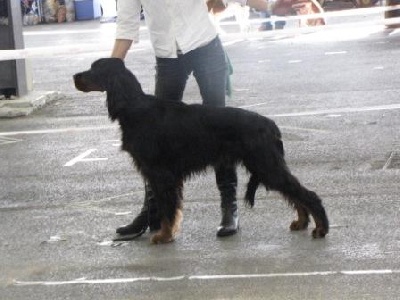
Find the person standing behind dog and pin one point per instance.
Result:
(185, 42)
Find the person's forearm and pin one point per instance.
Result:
(121, 48)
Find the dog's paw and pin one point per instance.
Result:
(319, 233)
(161, 238)
(298, 225)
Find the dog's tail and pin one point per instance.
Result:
(252, 186)
(278, 140)
(253, 183)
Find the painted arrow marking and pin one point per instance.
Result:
(6, 140)
(82, 158)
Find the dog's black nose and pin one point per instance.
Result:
(76, 76)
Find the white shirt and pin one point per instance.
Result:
(173, 24)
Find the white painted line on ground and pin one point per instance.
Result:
(59, 130)
(294, 61)
(82, 158)
(332, 111)
(335, 52)
(300, 274)
(252, 105)
(115, 143)
(207, 277)
(123, 213)
(89, 203)
(389, 161)
(270, 275)
(370, 272)
(305, 129)
(99, 281)
(395, 31)
(68, 50)
(61, 32)
(340, 110)
(110, 28)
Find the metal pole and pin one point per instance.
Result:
(13, 75)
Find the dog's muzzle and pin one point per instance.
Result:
(84, 85)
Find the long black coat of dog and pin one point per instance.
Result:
(170, 141)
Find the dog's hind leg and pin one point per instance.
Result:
(303, 215)
(303, 219)
(270, 169)
(169, 201)
(302, 199)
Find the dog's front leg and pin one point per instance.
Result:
(168, 231)
(169, 200)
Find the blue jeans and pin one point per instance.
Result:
(208, 66)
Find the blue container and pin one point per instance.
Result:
(87, 9)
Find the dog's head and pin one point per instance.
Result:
(111, 75)
(100, 76)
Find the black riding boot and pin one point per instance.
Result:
(148, 217)
(227, 183)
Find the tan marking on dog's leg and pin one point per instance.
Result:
(302, 222)
(164, 235)
(167, 232)
(178, 221)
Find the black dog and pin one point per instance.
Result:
(170, 141)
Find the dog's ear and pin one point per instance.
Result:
(116, 97)
(124, 92)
